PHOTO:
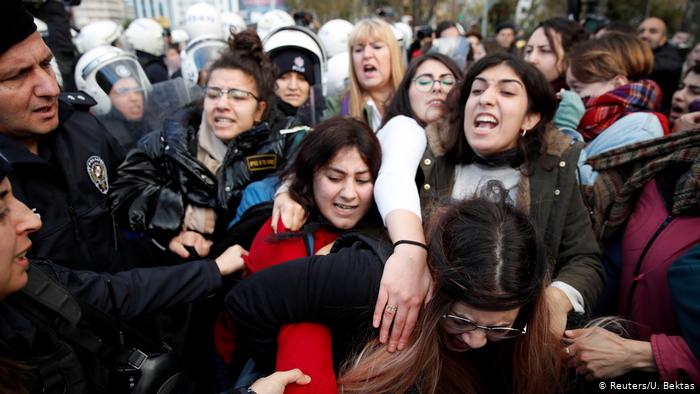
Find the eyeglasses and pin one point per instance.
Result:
(459, 324)
(424, 83)
(214, 92)
(125, 91)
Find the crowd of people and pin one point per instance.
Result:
(347, 208)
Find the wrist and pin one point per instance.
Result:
(558, 301)
(642, 356)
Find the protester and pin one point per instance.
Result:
(648, 192)
(688, 92)
(447, 29)
(333, 176)
(546, 49)
(620, 104)
(505, 37)
(667, 61)
(376, 69)
(487, 329)
(214, 153)
(503, 134)
(419, 102)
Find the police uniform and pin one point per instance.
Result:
(67, 185)
(55, 326)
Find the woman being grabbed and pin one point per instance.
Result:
(409, 137)
(487, 328)
(333, 177)
(184, 182)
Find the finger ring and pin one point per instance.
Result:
(391, 308)
(568, 351)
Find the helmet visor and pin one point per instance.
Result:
(121, 77)
(206, 54)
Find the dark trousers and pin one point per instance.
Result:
(338, 290)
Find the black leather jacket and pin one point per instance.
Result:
(162, 176)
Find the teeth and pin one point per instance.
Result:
(342, 206)
(486, 119)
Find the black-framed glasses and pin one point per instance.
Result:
(425, 83)
(214, 92)
(458, 324)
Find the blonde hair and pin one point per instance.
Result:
(365, 30)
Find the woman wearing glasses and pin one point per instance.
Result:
(184, 182)
(487, 328)
(410, 138)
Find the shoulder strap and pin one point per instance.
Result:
(47, 292)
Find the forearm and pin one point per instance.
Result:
(404, 225)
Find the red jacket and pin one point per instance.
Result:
(644, 293)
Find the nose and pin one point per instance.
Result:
(486, 97)
(26, 221)
(349, 190)
(45, 83)
(437, 86)
(367, 51)
(293, 82)
(475, 339)
(532, 57)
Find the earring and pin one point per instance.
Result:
(523, 132)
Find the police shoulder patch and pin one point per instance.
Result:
(97, 170)
(262, 162)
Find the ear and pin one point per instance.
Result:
(620, 80)
(262, 105)
(530, 121)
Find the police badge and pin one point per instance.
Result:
(98, 173)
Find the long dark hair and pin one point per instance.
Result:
(401, 104)
(245, 53)
(540, 99)
(319, 147)
(489, 255)
(570, 32)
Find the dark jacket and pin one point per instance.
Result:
(668, 64)
(153, 66)
(162, 176)
(51, 325)
(67, 184)
(557, 209)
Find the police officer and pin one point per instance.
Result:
(64, 160)
(50, 315)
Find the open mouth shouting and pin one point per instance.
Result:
(484, 123)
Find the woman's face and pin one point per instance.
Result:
(496, 111)
(343, 189)
(589, 89)
(694, 56)
(292, 88)
(371, 61)
(546, 58)
(127, 98)
(229, 117)
(477, 47)
(430, 106)
(16, 223)
(459, 340)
